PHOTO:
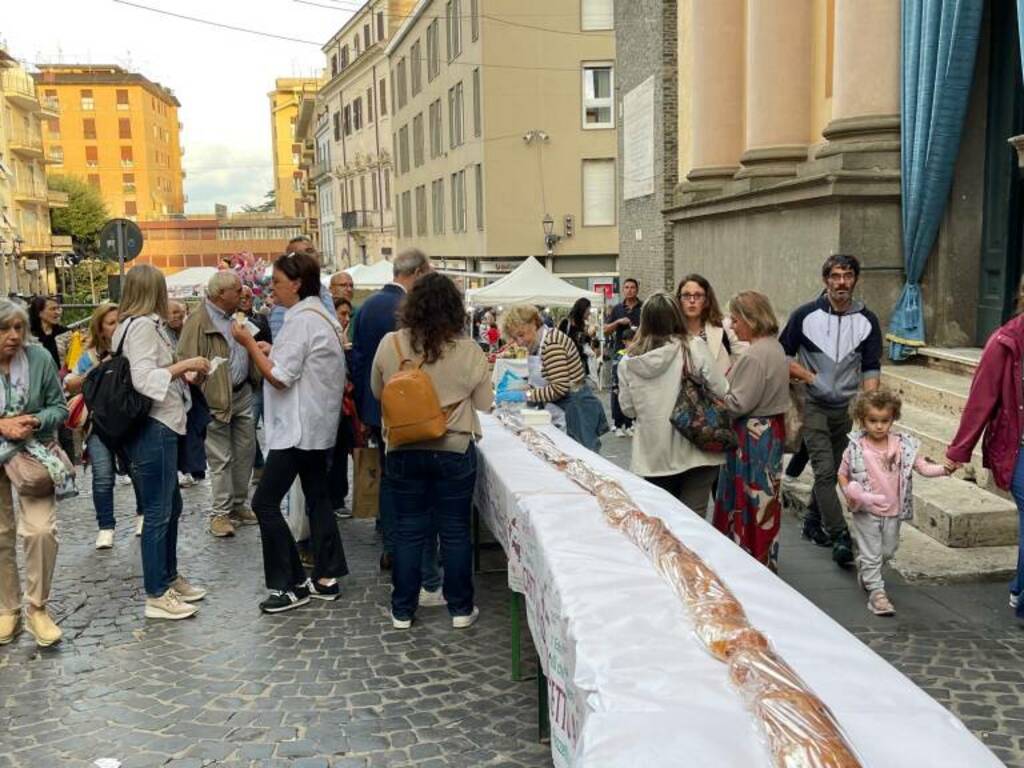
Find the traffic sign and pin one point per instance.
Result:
(120, 238)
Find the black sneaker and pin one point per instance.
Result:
(284, 601)
(320, 591)
(813, 532)
(842, 550)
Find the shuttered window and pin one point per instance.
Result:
(598, 193)
(597, 14)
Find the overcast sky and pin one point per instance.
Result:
(221, 77)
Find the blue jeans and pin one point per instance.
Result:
(104, 471)
(154, 457)
(448, 479)
(1017, 489)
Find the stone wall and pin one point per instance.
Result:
(646, 31)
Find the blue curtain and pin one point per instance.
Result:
(940, 43)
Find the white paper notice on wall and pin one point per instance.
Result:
(638, 141)
(639, 235)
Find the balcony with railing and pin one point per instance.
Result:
(353, 221)
(28, 191)
(19, 88)
(56, 199)
(49, 106)
(60, 242)
(25, 142)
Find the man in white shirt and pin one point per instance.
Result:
(231, 433)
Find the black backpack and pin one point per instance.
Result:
(116, 408)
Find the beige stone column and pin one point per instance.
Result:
(778, 93)
(866, 78)
(716, 83)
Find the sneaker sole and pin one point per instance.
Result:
(433, 602)
(298, 603)
(222, 535)
(160, 613)
(11, 638)
(43, 643)
(191, 598)
(401, 623)
(465, 622)
(325, 598)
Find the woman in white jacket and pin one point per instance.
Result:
(650, 377)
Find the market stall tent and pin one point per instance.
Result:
(372, 276)
(531, 283)
(189, 282)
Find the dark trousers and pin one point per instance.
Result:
(692, 487)
(448, 480)
(619, 419)
(798, 461)
(281, 564)
(826, 433)
(337, 464)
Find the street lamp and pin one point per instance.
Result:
(550, 238)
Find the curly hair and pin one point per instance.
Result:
(434, 315)
(879, 400)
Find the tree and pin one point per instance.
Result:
(269, 203)
(83, 218)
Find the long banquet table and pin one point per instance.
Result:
(628, 683)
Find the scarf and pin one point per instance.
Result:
(13, 399)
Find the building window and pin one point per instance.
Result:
(130, 208)
(92, 157)
(400, 83)
(459, 201)
(57, 155)
(336, 119)
(122, 99)
(127, 161)
(383, 100)
(478, 183)
(53, 126)
(334, 64)
(380, 25)
(347, 119)
(416, 65)
(374, 192)
(407, 213)
(597, 96)
(474, 19)
(367, 42)
(387, 189)
(455, 117)
(124, 128)
(597, 15)
(128, 183)
(357, 114)
(476, 102)
(356, 45)
(453, 23)
(403, 149)
(598, 193)
(417, 140)
(437, 205)
(433, 51)
(369, 105)
(89, 128)
(94, 181)
(344, 57)
(421, 210)
(362, 193)
(436, 130)
(88, 104)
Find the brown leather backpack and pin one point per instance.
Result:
(409, 406)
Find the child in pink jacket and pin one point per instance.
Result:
(876, 475)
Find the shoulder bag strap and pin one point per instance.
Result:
(402, 359)
(124, 337)
(324, 317)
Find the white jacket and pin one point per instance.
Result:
(648, 388)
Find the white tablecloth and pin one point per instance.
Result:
(629, 685)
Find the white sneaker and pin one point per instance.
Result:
(630, 431)
(1014, 600)
(124, 479)
(186, 592)
(185, 480)
(398, 623)
(168, 606)
(620, 432)
(430, 599)
(138, 525)
(462, 622)
(105, 539)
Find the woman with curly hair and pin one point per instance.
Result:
(432, 336)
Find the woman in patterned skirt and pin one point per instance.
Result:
(748, 504)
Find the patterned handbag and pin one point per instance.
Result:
(699, 416)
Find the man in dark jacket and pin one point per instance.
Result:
(376, 319)
(834, 343)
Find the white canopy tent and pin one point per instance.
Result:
(372, 276)
(189, 282)
(531, 283)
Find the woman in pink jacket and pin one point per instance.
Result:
(994, 406)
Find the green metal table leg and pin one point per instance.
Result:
(517, 636)
(543, 722)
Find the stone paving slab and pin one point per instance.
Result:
(326, 685)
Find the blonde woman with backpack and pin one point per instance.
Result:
(441, 467)
(304, 376)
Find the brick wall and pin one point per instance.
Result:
(645, 44)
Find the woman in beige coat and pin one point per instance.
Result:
(703, 317)
(650, 377)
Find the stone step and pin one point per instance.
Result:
(958, 360)
(936, 430)
(960, 514)
(935, 390)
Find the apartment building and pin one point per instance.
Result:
(354, 165)
(290, 190)
(28, 251)
(119, 131)
(504, 135)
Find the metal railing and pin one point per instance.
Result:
(19, 138)
(35, 190)
(360, 219)
(16, 82)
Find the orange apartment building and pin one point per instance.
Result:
(117, 130)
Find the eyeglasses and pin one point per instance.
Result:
(842, 277)
(693, 298)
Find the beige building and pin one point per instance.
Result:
(28, 250)
(290, 187)
(497, 125)
(354, 169)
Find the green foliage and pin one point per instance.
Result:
(268, 204)
(85, 215)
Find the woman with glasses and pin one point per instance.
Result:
(703, 318)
